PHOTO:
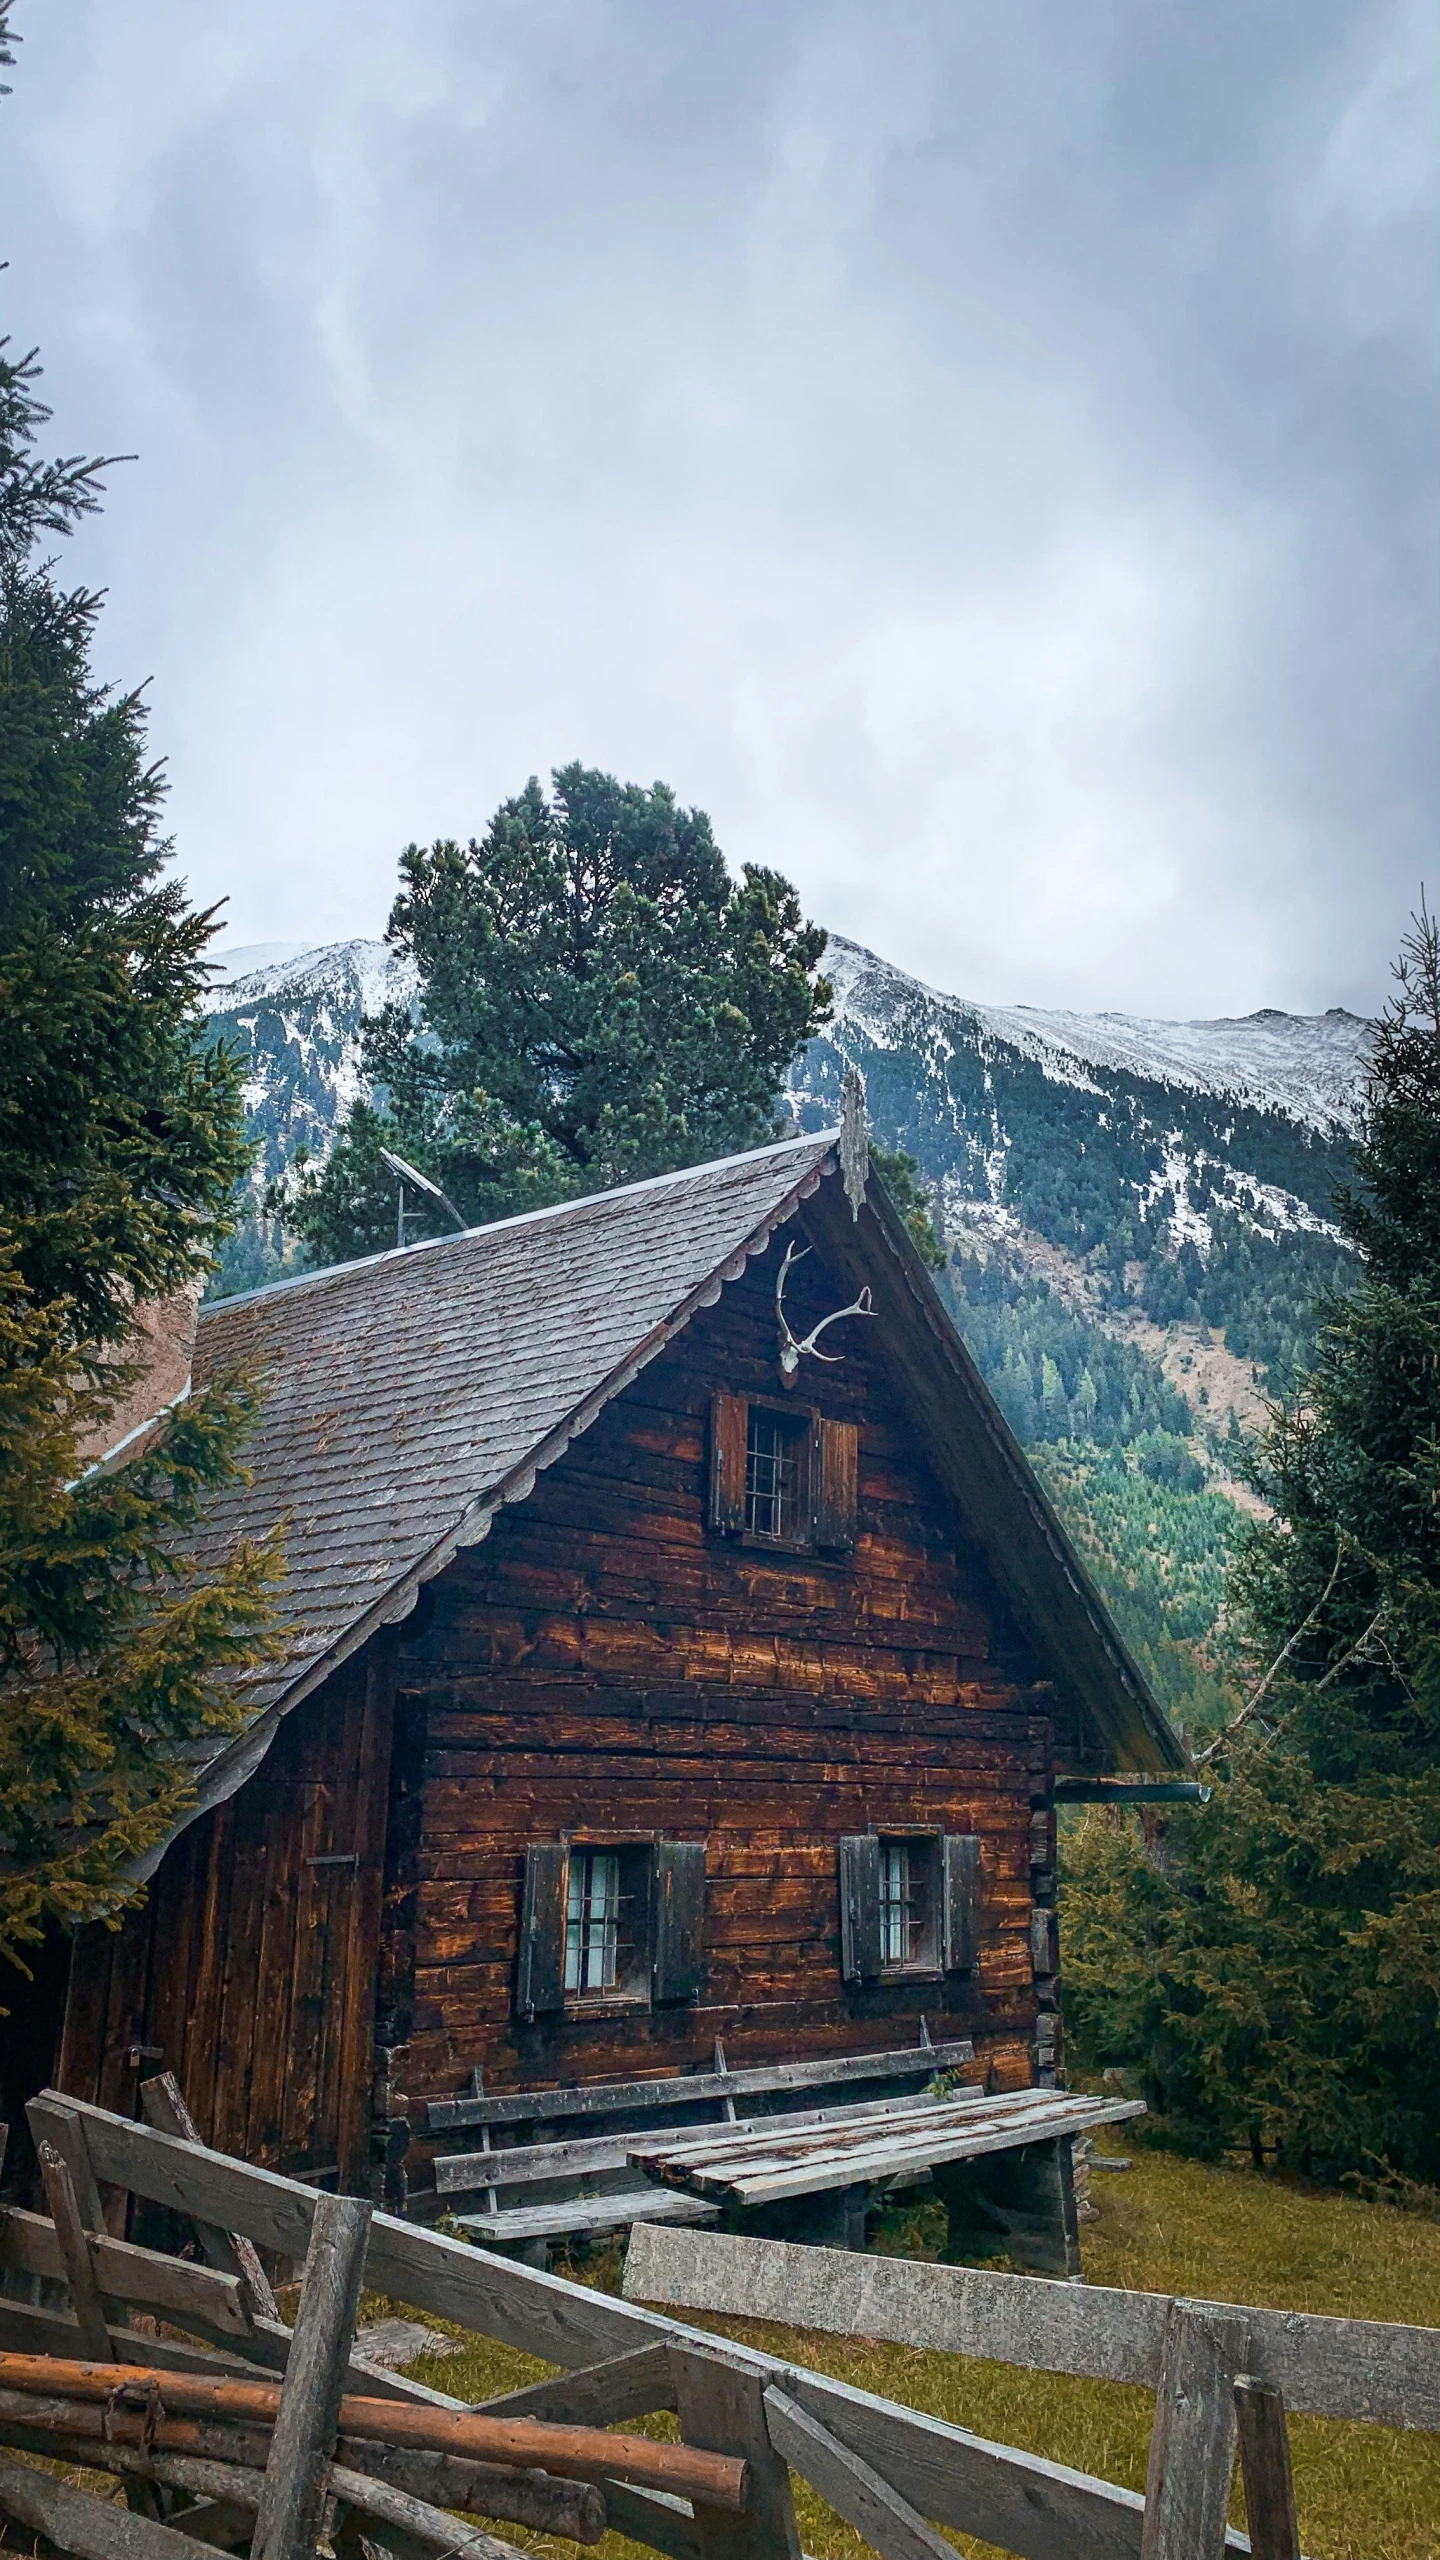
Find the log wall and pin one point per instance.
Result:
(606, 1663)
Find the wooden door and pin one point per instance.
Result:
(250, 1970)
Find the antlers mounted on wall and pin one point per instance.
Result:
(792, 1350)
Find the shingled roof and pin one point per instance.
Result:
(410, 1395)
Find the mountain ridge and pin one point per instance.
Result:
(1137, 1216)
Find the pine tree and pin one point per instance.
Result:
(601, 1001)
(1275, 1968)
(120, 1147)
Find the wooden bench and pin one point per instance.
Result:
(577, 2185)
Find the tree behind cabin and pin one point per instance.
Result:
(120, 1146)
(600, 1001)
(1272, 1961)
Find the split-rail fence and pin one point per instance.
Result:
(314, 2447)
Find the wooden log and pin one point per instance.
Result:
(1192, 2444)
(30, 2243)
(26, 2330)
(722, 2406)
(74, 2521)
(228, 2487)
(431, 2527)
(164, 2103)
(574, 2509)
(1265, 2469)
(122, 2440)
(846, 2482)
(1332, 2368)
(105, 2422)
(307, 2420)
(75, 2254)
(586, 2452)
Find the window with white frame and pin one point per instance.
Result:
(592, 1922)
(907, 1903)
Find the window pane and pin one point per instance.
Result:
(592, 1920)
(894, 1902)
(775, 1455)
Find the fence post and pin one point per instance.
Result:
(1265, 2469)
(293, 2497)
(1192, 2447)
(721, 2407)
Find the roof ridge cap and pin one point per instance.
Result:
(333, 1271)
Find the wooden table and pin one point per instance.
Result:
(1024, 2202)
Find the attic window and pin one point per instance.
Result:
(781, 1477)
(777, 1475)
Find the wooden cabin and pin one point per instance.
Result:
(671, 1658)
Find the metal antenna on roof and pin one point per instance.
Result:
(419, 1182)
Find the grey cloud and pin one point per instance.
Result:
(985, 455)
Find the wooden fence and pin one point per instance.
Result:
(892, 2472)
(1220, 2370)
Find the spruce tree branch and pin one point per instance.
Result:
(1257, 1698)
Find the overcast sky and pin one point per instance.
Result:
(983, 451)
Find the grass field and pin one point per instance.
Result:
(1165, 2226)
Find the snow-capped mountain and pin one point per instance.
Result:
(1157, 1174)
(1306, 1065)
(298, 1008)
(297, 1013)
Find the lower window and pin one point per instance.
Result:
(908, 1903)
(604, 1924)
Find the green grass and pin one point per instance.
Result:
(1167, 2226)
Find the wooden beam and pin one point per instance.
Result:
(604, 2097)
(649, 2516)
(878, 2513)
(292, 2502)
(1265, 2469)
(30, 2243)
(1192, 2444)
(525, 2163)
(722, 2407)
(596, 2395)
(1375, 2369)
(75, 2254)
(164, 2103)
(91, 2528)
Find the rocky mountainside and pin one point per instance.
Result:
(1137, 1214)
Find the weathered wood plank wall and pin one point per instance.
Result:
(605, 1662)
(249, 1971)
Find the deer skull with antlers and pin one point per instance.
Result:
(792, 1350)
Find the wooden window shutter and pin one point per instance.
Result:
(728, 1418)
(1044, 1940)
(837, 1473)
(960, 1901)
(860, 1906)
(679, 1918)
(540, 1976)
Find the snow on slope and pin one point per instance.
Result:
(359, 972)
(1307, 1065)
